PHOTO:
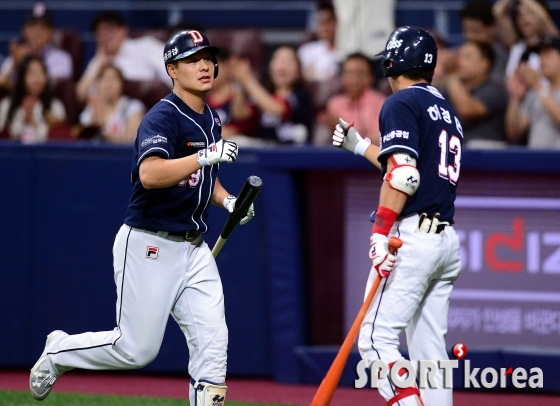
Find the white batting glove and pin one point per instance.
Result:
(221, 151)
(383, 261)
(346, 137)
(229, 204)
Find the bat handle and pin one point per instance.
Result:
(394, 244)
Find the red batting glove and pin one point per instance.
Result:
(383, 261)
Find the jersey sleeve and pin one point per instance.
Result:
(399, 127)
(156, 136)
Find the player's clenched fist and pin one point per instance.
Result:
(346, 137)
(221, 151)
(229, 204)
(383, 261)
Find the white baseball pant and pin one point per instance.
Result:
(183, 280)
(415, 297)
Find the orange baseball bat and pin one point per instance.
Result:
(324, 394)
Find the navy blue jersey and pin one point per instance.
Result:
(171, 130)
(419, 121)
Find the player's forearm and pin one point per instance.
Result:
(391, 198)
(371, 154)
(391, 203)
(219, 194)
(156, 172)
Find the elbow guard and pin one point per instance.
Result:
(404, 176)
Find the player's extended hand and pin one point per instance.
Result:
(346, 137)
(221, 151)
(383, 261)
(229, 204)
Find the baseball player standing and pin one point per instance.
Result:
(161, 263)
(420, 157)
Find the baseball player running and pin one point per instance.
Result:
(161, 263)
(420, 159)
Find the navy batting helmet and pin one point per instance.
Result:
(186, 43)
(408, 48)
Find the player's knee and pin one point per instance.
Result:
(139, 356)
(145, 358)
(145, 354)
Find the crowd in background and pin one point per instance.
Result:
(503, 81)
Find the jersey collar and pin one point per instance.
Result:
(184, 107)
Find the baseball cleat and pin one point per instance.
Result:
(42, 379)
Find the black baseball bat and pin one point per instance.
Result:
(245, 198)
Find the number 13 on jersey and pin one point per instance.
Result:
(449, 170)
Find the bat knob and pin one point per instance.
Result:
(255, 181)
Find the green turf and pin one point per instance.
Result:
(18, 398)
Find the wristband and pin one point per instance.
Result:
(384, 220)
(361, 146)
(227, 199)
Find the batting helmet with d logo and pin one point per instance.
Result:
(186, 43)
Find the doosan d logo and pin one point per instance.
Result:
(394, 43)
(403, 374)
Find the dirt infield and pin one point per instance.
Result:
(244, 390)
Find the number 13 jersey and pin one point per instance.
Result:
(419, 121)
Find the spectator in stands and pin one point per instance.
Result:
(532, 107)
(479, 101)
(479, 25)
(239, 118)
(37, 35)
(319, 58)
(358, 101)
(109, 114)
(446, 62)
(285, 105)
(139, 59)
(531, 21)
(30, 114)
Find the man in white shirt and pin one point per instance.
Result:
(37, 35)
(137, 59)
(319, 58)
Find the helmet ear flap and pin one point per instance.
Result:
(215, 66)
(386, 63)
